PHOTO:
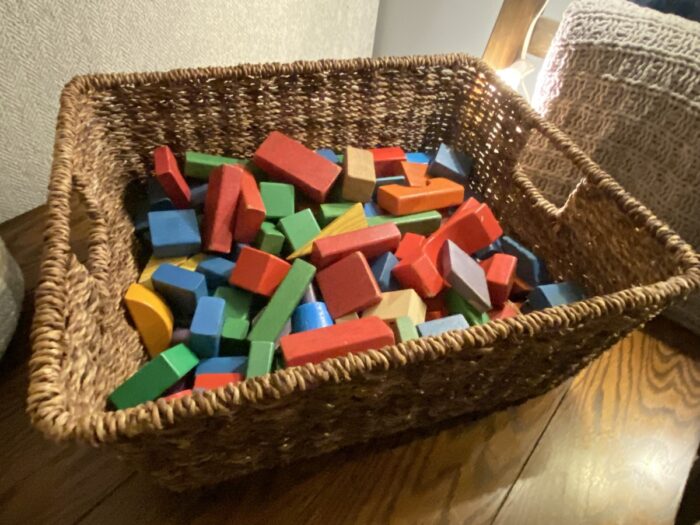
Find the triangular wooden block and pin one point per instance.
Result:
(351, 220)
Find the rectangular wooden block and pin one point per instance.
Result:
(345, 318)
(283, 302)
(233, 336)
(530, 268)
(153, 264)
(330, 211)
(214, 381)
(269, 239)
(465, 276)
(216, 270)
(330, 155)
(420, 273)
(237, 301)
(315, 346)
(411, 243)
(278, 199)
(387, 161)
(500, 273)
(260, 358)
(258, 272)
(504, 312)
(174, 233)
(359, 177)
(418, 157)
(158, 200)
(205, 330)
(451, 164)
(200, 165)
(168, 174)
(423, 223)
(299, 228)
(382, 268)
(456, 304)
(222, 365)
(385, 181)
(251, 210)
(398, 304)
(198, 195)
(438, 193)
(348, 285)
(440, 326)
(404, 329)
(372, 210)
(180, 288)
(220, 208)
(287, 160)
(372, 242)
(556, 294)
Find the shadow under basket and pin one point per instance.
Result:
(631, 264)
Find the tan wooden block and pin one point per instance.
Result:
(398, 304)
(347, 317)
(359, 177)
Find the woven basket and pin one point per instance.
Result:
(632, 265)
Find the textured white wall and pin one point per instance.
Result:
(43, 43)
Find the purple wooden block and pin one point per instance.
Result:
(466, 276)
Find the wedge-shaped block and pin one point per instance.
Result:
(500, 273)
(352, 219)
(382, 268)
(348, 285)
(372, 242)
(278, 199)
(416, 173)
(330, 211)
(174, 233)
(465, 276)
(440, 326)
(398, 304)
(200, 165)
(438, 193)
(531, 268)
(387, 161)
(451, 164)
(220, 207)
(214, 381)
(207, 322)
(251, 210)
(423, 223)
(258, 272)
(152, 317)
(299, 228)
(170, 178)
(310, 316)
(216, 270)
(260, 358)
(359, 177)
(222, 365)
(181, 289)
(556, 294)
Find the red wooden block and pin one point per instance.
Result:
(520, 289)
(212, 381)
(431, 315)
(348, 285)
(220, 207)
(420, 273)
(251, 210)
(181, 393)
(504, 312)
(410, 244)
(387, 161)
(500, 272)
(287, 160)
(354, 336)
(170, 178)
(436, 304)
(372, 242)
(259, 272)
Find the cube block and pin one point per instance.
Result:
(348, 285)
(258, 272)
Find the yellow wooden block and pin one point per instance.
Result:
(152, 317)
(153, 264)
(359, 177)
(351, 220)
(192, 262)
(398, 304)
(347, 317)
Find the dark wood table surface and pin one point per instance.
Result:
(613, 445)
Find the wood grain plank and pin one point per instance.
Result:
(542, 36)
(620, 447)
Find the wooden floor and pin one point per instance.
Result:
(613, 445)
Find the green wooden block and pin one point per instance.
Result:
(233, 336)
(330, 211)
(155, 377)
(278, 199)
(405, 329)
(269, 239)
(237, 301)
(456, 304)
(199, 165)
(260, 358)
(283, 302)
(423, 223)
(341, 158)
(299, 228)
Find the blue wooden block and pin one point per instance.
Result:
(198, 194)
(418, 157)
(445, 324)
(180, 288)
(556, 294)
(222, 365)
(372, 210)
(310, 316)
(216, 271)
(530, 268)
(381, 269)
(451, 164)
(206, 326)
(491, 249)
(383, 181)
(174, 233)
(157, 198)
(329, 154)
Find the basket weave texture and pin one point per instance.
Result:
(631, 264)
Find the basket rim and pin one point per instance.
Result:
(45, 403)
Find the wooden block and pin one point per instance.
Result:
(214, 381)
(500, 272)
(411, 243)
(237, 301)
(456, 304)
(200, 165)
(431, 315)
(220, 207)
(556, 294)
(348, 285)
(315, 346)
(198, 195)
(310, 316)
(520, 289)
(358, 175)
(418, 157)
(504, 312)
(181, 289)
(465, 276)
(352, 219)
(436, 194)
(490, 250)
(451, 164)
(178, 395)
(299, 228)
(258, 272)
(152, 317)
(283, 301)
(385, 181)
(287, 160)
(309, 294)
(330, 211)
(423, 223)
(372, 210)
(345, 318)
(153, 264)
(387, 161)
(216, 270)
(207, 322)
(372, 242)
(404, 329)
(530, 268)
(420, 273)
(251, 210)
(170, 178)
(270, 239)
(260, 358)
(382, 268)
(153, 378)
(440, 326)
(416, 173)
(278, 199)
(174, 233)
(329, 154)
(233, 336)
(397, 304)
(222, 365)
(158, 200)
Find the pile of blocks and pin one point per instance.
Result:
(298, 256)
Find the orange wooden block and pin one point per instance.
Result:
(504, 312)
(212, 381)
(420, 273)
(220, 207)
(520, 289)
(387, 161)
(416, 173)
(170, 178)
(500, 272)
(251, 210)
(348, 285)
(258, 272)
(372, 242)
(181, 393)
(410, 244)
(436, 194)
